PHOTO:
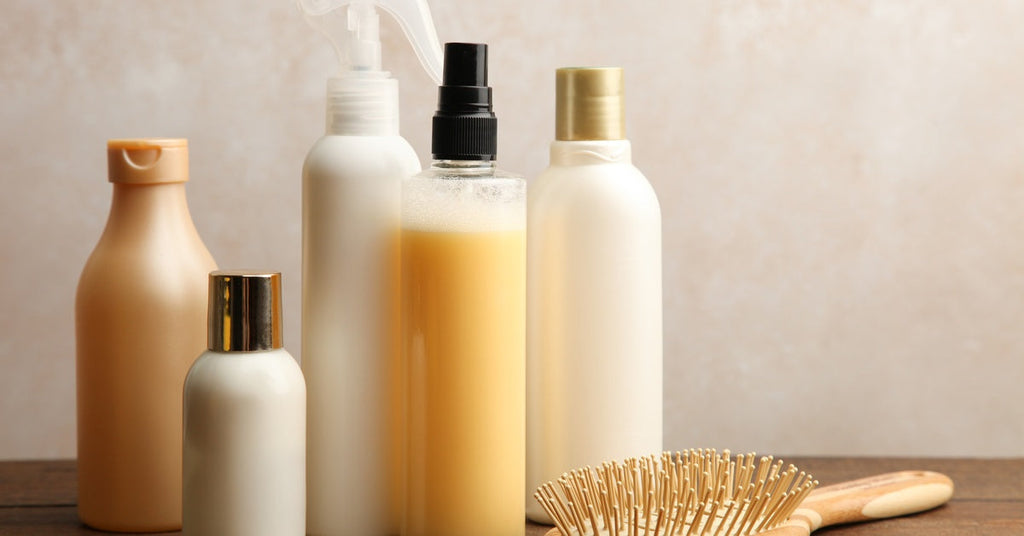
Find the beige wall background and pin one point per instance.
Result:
(842, 186)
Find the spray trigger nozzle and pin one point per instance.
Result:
(359, 47)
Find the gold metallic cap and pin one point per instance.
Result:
(590, 104)
(147, 160)
(245, 311)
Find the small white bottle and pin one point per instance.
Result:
(594, 328)
(351, 199)
(244, 449)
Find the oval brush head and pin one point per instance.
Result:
(695, 492)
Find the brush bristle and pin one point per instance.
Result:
(695, 492)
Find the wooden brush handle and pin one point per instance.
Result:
(875, 497)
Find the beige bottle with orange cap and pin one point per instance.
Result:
(140, 321)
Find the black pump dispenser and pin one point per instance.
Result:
(464, 126)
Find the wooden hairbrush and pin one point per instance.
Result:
(702, 492)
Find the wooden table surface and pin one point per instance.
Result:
(38, 497)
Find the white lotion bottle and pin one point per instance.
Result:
(594, 321)
(351, 203)
(244, 448)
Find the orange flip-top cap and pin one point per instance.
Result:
(147, 160)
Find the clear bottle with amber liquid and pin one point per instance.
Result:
(140, 321)
(463, 320)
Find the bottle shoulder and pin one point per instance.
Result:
(161, 251)
(341, 156)
(620, 185)
(481, 184)
(342, 141)
(245, 373)
(119, 271)
(625, 174)
(457, 200)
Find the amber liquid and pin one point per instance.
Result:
(463, 337)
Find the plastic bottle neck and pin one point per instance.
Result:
(362, 105)
(590, 152)
(136, 209)
(465, 168)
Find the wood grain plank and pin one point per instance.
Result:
(38, 497)
(45, 520)
(35, 483)
(994, 518)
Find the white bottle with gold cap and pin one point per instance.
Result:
(244, 449)
(594, 328)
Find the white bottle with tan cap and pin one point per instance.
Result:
(594, 339)
(140, 321)
(244, 449)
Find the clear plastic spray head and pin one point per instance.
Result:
(363, 38)
(358, 43)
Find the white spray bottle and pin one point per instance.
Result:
(351, 198)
